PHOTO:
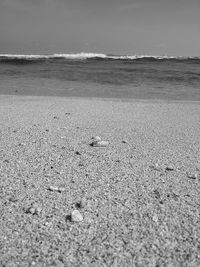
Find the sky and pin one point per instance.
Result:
(150, 27)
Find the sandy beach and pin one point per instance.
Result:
(137, 198)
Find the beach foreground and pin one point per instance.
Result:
(138, 196)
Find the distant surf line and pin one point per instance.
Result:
(82, 56)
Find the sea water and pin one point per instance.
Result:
(100, 75)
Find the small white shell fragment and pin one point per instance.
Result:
(100, 144)
(156, 167)
(38, 210)
(76, 216)
(32, 210)
(155, 218)
(96, 138)
(53, 188)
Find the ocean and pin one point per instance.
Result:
(100, 75)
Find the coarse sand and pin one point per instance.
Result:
(134, 202)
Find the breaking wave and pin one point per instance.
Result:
(82, 56)
(101, 75)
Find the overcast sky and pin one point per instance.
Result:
(158, 27)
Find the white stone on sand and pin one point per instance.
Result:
(76, 216)
(96, 138)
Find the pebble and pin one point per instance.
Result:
(169, 168)
(48, 224)
(31, 210)
(155, 218)
(55, 188)
(34, 209)
(76, 216)
(125, 142)
(61, 189)
(81, 204)
(155, 167)
(100, 143)
(13, 199)
(96, 138)
(192, 175)
(38, 210)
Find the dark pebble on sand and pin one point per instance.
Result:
(61, 189)
(81, 165)
(157, 194)
(169, 168)
(192, 175)
(81, 204)
(13, 199)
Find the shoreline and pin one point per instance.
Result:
(106, 99)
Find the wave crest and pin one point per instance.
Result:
(82, 56)
(64, 56)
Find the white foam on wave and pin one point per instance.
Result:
(140, 57)
(80, 55)
(67, 56)
(13, 56)
(88, 56)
